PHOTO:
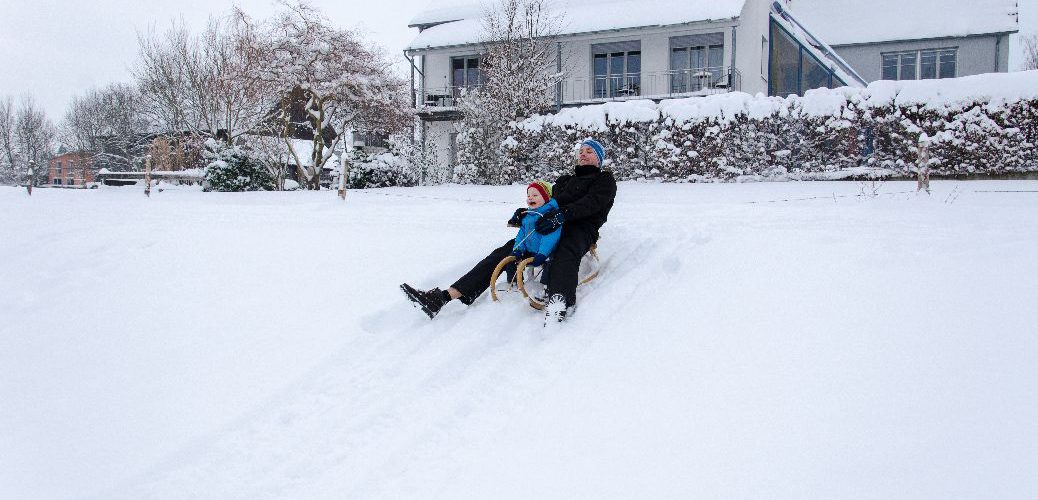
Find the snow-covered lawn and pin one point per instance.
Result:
(226, 346)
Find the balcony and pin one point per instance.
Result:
(650, 85)
(436, 104)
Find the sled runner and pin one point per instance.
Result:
(528, 276)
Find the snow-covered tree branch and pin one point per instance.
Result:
(110, 123)
(518, 78)
(1030, 52)
(204, 84)
(27, 138)
(8, 158)
(328, 73)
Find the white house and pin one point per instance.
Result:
(637, 49)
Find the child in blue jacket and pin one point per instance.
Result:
(529, 241)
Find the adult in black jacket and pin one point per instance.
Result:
(585, 198)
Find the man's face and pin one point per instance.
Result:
(587, 156)
(534, 198)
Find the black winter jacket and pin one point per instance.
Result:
(586, 197)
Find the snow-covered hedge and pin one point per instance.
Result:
(985, 124)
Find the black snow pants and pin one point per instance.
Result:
(476, 281)
(576, 241)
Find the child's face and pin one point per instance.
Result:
(534, 198)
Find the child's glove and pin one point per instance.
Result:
(550, 222)
(517, 217)
(518, 254)
(539, 260)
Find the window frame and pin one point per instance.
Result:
(465, 71)
(917, 66)
(802, 51)
(765, 56)
(612, 85)
(706, 51)
(610, 78)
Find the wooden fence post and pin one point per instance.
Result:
(923, 165)
(342, 177)
(147, 176)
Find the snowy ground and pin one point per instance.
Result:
(250, 346)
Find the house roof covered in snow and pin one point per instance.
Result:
(841, 22)
(463, 18)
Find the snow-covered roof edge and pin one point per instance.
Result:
(445, 11)
(580, 17)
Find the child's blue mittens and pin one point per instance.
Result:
(539, 259)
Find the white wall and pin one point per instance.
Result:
(751, 46)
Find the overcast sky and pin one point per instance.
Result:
(55, 49)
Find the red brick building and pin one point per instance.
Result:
(71, 169)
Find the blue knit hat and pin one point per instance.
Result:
(599, 150)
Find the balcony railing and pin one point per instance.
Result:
(443, 97)
(673, 83)
(645, 85)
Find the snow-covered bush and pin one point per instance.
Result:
(386, 169)
(229, 168)
(985, 124)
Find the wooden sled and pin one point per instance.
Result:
(524, 273)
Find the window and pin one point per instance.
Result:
(465, 74)
(784, 76)
(764, 57)
(920, 64)
(793, 69)
(696, 62)
(814, 75)
(57, 181)
(617, 69)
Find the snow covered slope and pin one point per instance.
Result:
(206, 345)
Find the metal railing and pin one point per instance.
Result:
(443, 97)
(671, 83)
(658, 84)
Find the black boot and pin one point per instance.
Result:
(431, 301)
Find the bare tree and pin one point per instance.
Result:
(519, 74)
(270, 151)
(341, 84)
(34, 138)
(204, 84)
(1030, 55)
(110, 124)
(8, 157)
